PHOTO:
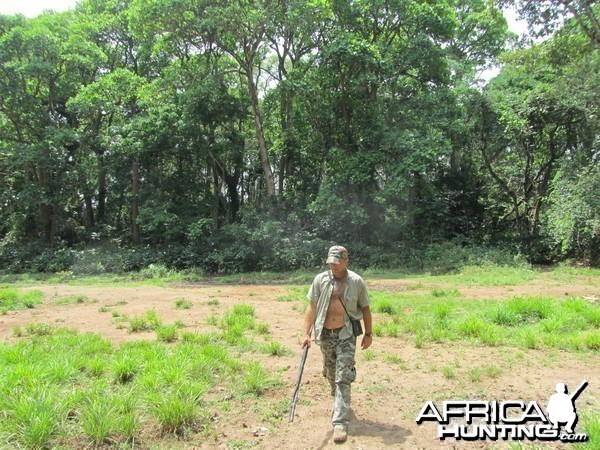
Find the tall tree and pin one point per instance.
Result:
(43, 61)
(547, 16)
(109, 105)
(543, 124)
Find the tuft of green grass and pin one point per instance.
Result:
(419, 340)
(11, 299)
(147, 322)
(197, 339)
(590, 424)
(369, 355)
(471, 326)
(298, 293)
(529, 309)
(97, 417)
(74, 299)
(174, 409)
(167, 333)
(125, 367)
(445, 293)
(388, 328)
(528, 338)
(182, 303)
(277, 349)
(139, 324)
(212, 320)
(384, 306)
(396, 360)
(128, 416)
(95, 367)
(416, 323)
(592, 340)
(32, 417)
(238, 320)
(448, 372)
(504, 317)
(39, 329)
(255, 380)
(492, 371)
(263, 328)
(475, 374)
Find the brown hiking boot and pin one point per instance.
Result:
(339, 434)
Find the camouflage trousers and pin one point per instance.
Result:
(338, 368)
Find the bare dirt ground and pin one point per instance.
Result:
(392, 386)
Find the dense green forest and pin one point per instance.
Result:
(245, 135)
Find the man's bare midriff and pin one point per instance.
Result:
(335, 312)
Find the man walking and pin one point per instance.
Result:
(337, 297)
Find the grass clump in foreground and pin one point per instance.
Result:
(62, 389)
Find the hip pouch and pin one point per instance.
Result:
(356, 327)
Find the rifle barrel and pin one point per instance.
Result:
(578, 391)
(297, 388)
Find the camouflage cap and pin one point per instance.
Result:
(337, 254)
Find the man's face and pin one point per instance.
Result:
(339, 270)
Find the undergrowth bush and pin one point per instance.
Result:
(253, 245)
(450, 257)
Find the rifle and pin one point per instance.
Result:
(297, 388)
(578, 391)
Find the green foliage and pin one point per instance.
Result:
(540, 99)
(574, 216)
(450, 257)
(128, 144)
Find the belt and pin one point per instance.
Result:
(332, 331)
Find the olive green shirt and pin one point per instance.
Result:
(356, 297)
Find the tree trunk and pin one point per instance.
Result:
(135, 202)
(101, 189)
(89, 211)
(232, 182)
(286, 163)
(260, 135)
(45, 220)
